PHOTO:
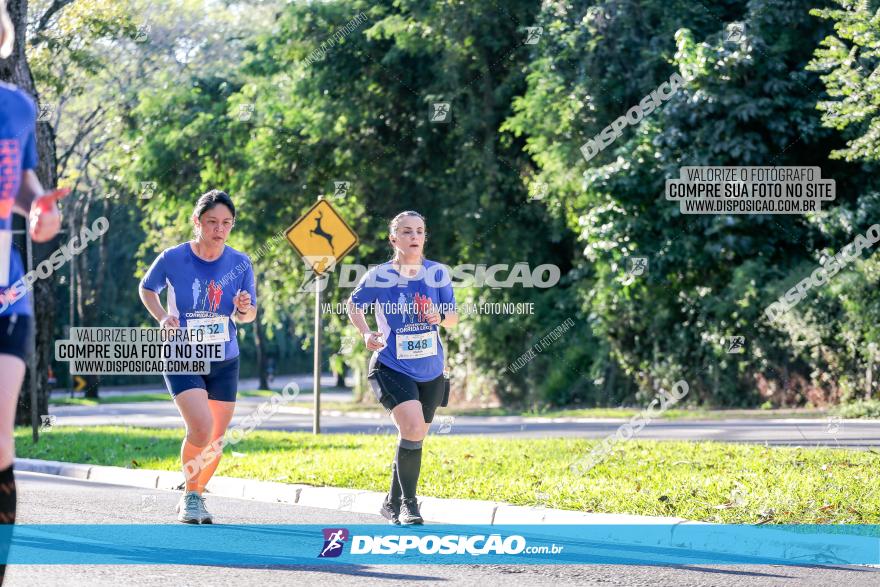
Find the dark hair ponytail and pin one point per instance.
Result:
(210, 199)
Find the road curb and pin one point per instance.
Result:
(446, 511)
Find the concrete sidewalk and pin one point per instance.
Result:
(448, 511)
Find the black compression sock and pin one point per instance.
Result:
(409, 464)
(395, 492)
(7, 514)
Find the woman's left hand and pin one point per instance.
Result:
(45, 222)
(433, 318)
(242, 301)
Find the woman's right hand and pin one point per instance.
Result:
(169, 322)
(374, 341)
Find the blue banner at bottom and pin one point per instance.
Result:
(294, 545)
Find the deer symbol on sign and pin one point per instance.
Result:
(320, 231)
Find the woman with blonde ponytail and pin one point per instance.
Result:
(412, 297)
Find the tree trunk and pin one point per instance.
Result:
(260, 343)
(16, 70)
(88, 284)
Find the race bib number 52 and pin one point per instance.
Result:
(416, 346)
(215, 329)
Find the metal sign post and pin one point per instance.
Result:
(321, 237)
(316, 385)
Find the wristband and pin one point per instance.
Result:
(442, 316)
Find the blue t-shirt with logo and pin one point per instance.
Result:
(18, 153)
(199, 289)
(412, 344)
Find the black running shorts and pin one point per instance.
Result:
(393, 387)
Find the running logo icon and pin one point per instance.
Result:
(334, 540)
(422, 305)
(212, 295)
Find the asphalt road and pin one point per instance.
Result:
(57, 500)
(795, 432)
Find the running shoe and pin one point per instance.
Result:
(206, 517)
(409, 512)
(390, 509)
(189, 508)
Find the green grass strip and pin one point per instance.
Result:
(715, 482)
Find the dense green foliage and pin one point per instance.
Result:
(273, 103)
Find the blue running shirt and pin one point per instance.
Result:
(18, 153)
(199, 289)
(412, 345)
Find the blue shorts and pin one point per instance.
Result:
(221, 383)
(16, 331)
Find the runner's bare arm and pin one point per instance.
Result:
(154, 307)
(357, 318)
(373, 340)
(30, 189)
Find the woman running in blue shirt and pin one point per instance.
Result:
(412, 298)
(210, 287)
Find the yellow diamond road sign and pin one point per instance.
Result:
(321, 237)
